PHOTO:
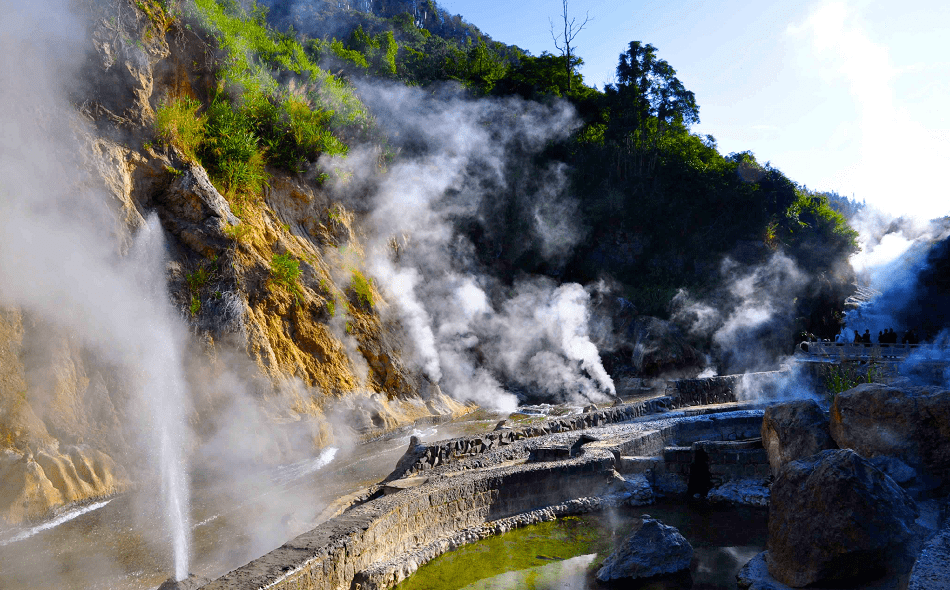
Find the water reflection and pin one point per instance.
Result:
(723, 540)
(568, 574)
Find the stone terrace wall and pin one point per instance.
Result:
(709, 390)
(423, 457)
(685, 432)
(331, 555)
(723, 389)
(666, 456)
(682, 393)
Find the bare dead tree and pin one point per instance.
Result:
(564, 40)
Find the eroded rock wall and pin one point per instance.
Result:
(316, 359)
(59, 429)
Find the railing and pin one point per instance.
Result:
(864, 351)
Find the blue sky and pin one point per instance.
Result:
(852, 96)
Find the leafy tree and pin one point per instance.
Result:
(483, 68)
(646, 100)
(379, 51)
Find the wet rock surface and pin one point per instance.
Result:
(755, 575)
(192, 582)
(835, 518)
(910, 423)
(932, 569)
(743, 492)
(633, 489)
(653, 549)
(794, 430)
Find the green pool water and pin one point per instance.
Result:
(565, 554)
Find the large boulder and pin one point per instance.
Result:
(910, 423)
(651, 550)
(195, 212)
(835, 518)
(794, 430)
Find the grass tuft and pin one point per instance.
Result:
(285, 272)
(178, 124)
(362, 288)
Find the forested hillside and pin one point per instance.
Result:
(350, 217)
(659, 206)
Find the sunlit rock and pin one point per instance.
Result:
(741, 492)
(835, 518)
(794, 430)
(911, 424)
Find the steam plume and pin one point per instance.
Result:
(61, 241)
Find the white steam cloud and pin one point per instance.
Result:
(748, 323)
(893, 253)
(60, 254)
(467, 159)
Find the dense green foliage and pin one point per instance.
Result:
(643, 176)
(644, 179)
(178, 123)
(256, 117)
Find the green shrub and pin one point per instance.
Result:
(362, 288)
(845, 376)
(239, 233)
(285, 271)
(231, 151)
(178, 124)
(196, 281)
(282, 118)
(293, 132)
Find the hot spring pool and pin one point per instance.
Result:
(565, 554)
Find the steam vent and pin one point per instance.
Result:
(307, 294)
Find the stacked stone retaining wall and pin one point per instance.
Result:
(423, 457)
(682, 393)
(709, 390)
(377, 544)
(331, 555)
(725, 388)
(668, 456)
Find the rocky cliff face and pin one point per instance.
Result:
(303, 352)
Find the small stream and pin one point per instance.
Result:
(565, 554)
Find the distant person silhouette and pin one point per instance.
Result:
(867, 337)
